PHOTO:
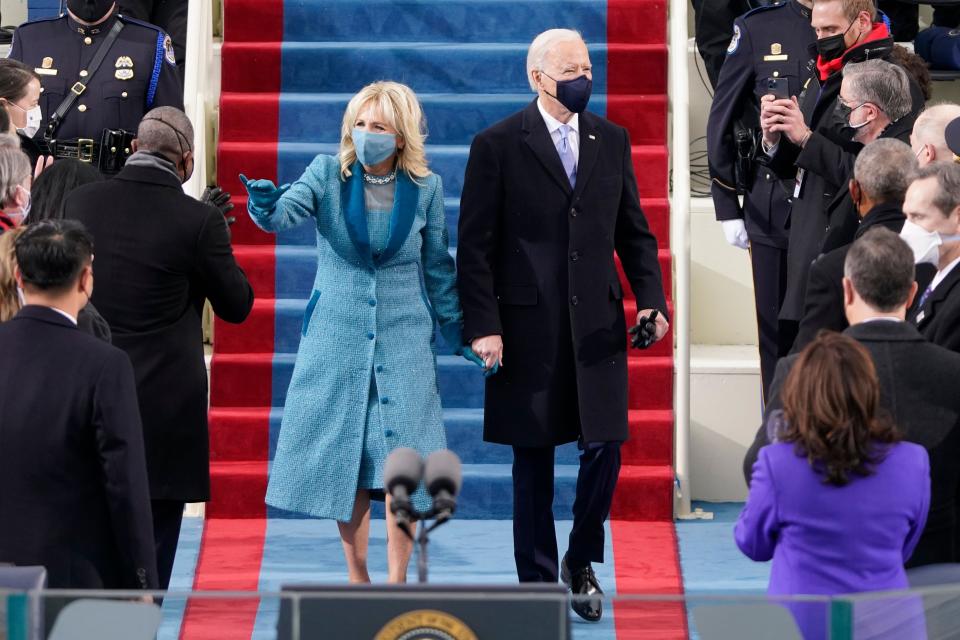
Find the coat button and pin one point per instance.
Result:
(574, 300)
(574, 255)
(82, 108)
(83, 73)
(384, 400)
(388, 433)
(379, 368)
(372, 302)
(573, 212)
(123, 95)
(88, 40)
(370, 336)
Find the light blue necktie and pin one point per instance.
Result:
(923, 298)
(566, 155)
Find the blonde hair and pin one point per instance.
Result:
(399, 107)
(9, 300)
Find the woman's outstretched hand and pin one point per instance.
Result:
(263, 194)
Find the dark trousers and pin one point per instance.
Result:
(534, 536)
(769, 284)
(167, 518)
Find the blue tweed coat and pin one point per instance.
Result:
(368, 315)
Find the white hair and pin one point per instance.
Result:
(542, 45)
(931, 126)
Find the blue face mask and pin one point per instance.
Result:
(373, 148)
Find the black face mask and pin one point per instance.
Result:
(573, 94)
(90, 10)
(832, 47)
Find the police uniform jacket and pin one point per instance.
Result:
(160, 253)
(826, 161)
(768, 42)
(74, 494)
(138, 73)
(535, 264)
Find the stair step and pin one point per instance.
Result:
(238, 488)
(261, 380)
(239, 434)
(288, 160)
(434, 67)
(289, 271)
(274, 325)
(452, 119)
(442, 20)
(657, 211)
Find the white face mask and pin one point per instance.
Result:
(34, 117)
(924, 244)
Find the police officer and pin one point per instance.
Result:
(92, 107)
(768, 53)
(169, 15)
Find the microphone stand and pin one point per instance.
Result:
(423, 536)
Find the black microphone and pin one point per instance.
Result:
(401, 477)
(443, 476)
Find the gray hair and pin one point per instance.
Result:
(542, 45)
(881, 83)
(167, 131)
(14, 169)
(880, 266)
(947, 175)
(931, 125)
(884, 169)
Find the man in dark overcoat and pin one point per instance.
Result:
(549, 194)
(160, 253)
(73, 479)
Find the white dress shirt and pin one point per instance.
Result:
(65, 315)
(943, 273)
(553, 126)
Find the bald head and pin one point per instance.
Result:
(167, 131)
(927, 139)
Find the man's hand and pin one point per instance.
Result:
(217, 197)
(770, 138)
(783, 116)
(490, 349)
(662, 325)
(735, 232)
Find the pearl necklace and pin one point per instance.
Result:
(385, 179)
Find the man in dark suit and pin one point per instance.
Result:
(881, 176)
(932, 230)
(73, 478)
(917, 378)
(160, 253)
(549, 194)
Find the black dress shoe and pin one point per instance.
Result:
(588, 601)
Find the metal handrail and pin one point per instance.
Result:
(679, 96)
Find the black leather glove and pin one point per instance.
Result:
(220, 199)
(645, 333)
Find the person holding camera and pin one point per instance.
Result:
(768, 51)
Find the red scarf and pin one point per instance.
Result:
(6, 224)
(826, 69)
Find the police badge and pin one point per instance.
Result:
(735, 40)
(168, 51)
(124, 67)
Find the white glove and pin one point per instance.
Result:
(736, 233)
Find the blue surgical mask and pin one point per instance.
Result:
(373, 148)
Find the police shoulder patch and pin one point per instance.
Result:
(168, 50)
(734, 41)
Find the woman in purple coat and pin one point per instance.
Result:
(837, 501)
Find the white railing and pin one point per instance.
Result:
(196, 92)
(679, 94)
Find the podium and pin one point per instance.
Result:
(425, 612)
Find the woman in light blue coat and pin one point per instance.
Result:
(365, 378)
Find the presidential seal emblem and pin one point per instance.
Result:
(425, 624)
(735, 40)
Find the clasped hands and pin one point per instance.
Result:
(781, 116)
(263, 194)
